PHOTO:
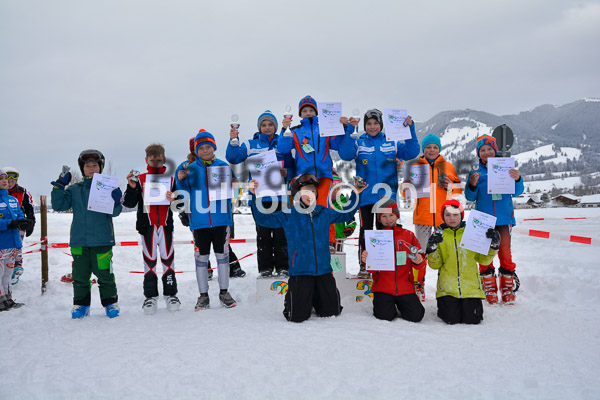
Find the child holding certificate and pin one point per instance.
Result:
(427, 213)
(459, 290)
(92, 236)
(271, 243)
(312, 150)
(500, 206)
(394, 291)
(155, 225)
(306, 225)
(208, 220)
(376, 158)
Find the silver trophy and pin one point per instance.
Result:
(356, 116)
(135, 176)
(360, 182)
(186, 165)
(288, 114)
(475, 167)
(413, 253)
(406, 123)
(438, 230)
(65, 170)
(234, 124)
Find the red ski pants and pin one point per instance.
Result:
(504, 253)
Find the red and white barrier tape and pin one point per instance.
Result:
(557, 236)
(136, 243)
(554, 219)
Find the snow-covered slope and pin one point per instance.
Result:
(546, 346)
(558, 156)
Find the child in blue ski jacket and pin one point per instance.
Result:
(12, 220)
(312, 150)
(500, 206)
(306, 225)
(376, 160)
(271, 243)
(209, 220)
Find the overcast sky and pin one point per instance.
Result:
(119, 75)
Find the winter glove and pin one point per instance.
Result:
(495, 236)
(117, 195)
(29, 231)
(20, 224)
(13, 224)
(185, 220)
(63, 180)
(349, 230)
(434, 240)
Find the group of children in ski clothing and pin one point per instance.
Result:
(307, 226)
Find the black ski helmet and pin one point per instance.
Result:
(375, 114)
(301, 181)
(90, 155)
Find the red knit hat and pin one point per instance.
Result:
(387, 207)
(192, 150)
(455, 203)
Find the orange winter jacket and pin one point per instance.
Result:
(423, 214)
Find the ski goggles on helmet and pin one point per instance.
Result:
(88, 156)
(13, 175)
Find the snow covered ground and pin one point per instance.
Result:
(546, 346)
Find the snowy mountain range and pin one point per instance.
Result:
(556, 145)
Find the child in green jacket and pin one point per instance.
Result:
(459, 288)
(92, 236)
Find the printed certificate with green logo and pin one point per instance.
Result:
(499, 181)
(100, 199)
(380, 250)
(393, 121)
(329, 119)
(474, 238)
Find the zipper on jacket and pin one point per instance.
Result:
(207, 196)
(457, 266)
(312, 229)
(396, 267)
(312, 135)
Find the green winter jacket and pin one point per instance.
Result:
(340, 226)
(458, 274)
(89, 228)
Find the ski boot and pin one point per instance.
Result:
(420, 291)
(79, 312)
(112, 310)
(173, 303)
(490, 287)
(507, 284)
(149, 306)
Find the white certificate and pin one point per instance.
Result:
(329, 119)
(380, 250)
(155, 190)
(474, 238)
(499, 181)
(418, 175)
(266, 170)
(393, 121)
(100, 199)
(219, 183)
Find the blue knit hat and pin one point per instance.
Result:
(489, 140)
(204, 137)
(267, 116)
(431, 139)
(308, 101)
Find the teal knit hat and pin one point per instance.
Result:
(431, 139)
